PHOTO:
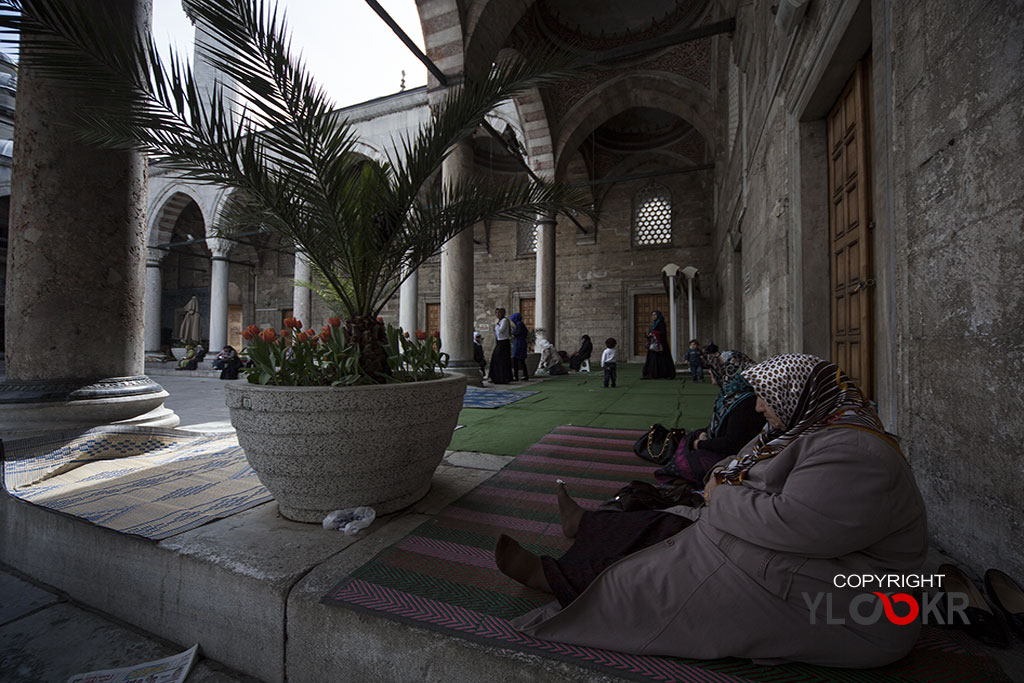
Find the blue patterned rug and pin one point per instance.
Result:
(150, 482)
(492, 398)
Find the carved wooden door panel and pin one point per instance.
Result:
(850, 224)
(528, 308)
(433, 318)
(643, 304)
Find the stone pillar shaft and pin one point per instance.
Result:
(154, 291)
(457, 274)
(75, 299)
(544, 290)
(218, 294)
(302, 301)
(408, 302)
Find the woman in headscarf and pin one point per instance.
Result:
(478, 352)
(519, 338)
(659, 363)
(823, 491)
(734, 422)
(586, 349)
(501, 357)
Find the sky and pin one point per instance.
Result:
(346, 46)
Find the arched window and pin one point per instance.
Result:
(652, 216)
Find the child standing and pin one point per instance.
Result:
(608, 362)
(696, 360)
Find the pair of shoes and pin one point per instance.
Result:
(1007, 595)
(984, 623)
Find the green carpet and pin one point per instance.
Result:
(579, 399)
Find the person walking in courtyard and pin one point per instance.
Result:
(823, 491)
(585, 350)
(695, 359)
(608, 361)
(659, 363)
(519, 339)
(501, 357)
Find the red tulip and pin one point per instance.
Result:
(335, 322)
(380, 319)
(301, 337)
(268, 335)
(293, 323)
(421, 335)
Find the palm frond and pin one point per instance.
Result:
(270, 133)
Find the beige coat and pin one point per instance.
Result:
(838, 501)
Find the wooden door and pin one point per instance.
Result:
(433, 318)
(643, 304)
(235, 327)
(528, 308)
(849, 184)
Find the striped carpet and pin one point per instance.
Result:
(442, 576)
(149, 482)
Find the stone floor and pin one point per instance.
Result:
(246, 588)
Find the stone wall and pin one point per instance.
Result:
(948, 252)
(956, 100)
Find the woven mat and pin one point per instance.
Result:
(442, 576)
(149, 482)
(492, 398)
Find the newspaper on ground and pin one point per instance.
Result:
(169, 670)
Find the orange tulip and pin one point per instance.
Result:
(335, 322)
(293, 323)
(301, 337)
(268, 335)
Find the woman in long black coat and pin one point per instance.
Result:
(659, 363)
(501, 357)
(586, 348)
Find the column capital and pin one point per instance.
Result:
(219, 247)
(154, 257)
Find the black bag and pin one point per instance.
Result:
(659, 444)
(640, 495)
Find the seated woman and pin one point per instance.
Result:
(822, 491)
(586, 348)
(550, 361)
(189, 362)
(735, 421)
(228, 362)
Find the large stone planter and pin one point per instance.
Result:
(319, 449)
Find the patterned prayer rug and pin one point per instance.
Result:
(442, 576)
(150, 482)
(477, 397)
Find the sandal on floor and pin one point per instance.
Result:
(985, 624)
(1007, 595)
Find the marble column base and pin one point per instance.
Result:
(469, 369)
(31, 407)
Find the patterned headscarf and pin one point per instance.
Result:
(807, 394)
(658, 318)
(726, 367)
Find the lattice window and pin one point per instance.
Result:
(526, 238)
(652, 216)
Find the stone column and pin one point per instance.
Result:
(690, 272)
(218, 292)
(302, 301)
(544, 290)
(408, 302)
(457, 280)
(154, 291)
(75, 268)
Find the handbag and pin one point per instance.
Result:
(654, 345)
(690, 465)
(659, 444)
(640, 495)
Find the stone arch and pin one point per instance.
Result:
(488, 25)
(534, 126)
(165, 209)
(673, 93)
(441, 22)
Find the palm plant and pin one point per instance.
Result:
(284, 150)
